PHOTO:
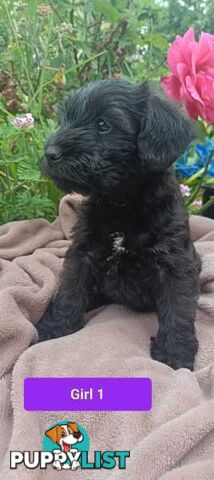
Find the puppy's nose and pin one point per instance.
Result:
(77, 435)
(53, 153)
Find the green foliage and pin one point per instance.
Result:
(53, 47)
(24, 192)
(106, 8)
(183, 14)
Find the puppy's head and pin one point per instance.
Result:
(111, 133)
(65, 435)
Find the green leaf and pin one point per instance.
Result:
(159, 42)
(201, 131)
(121, 4)
(32, 7)
(156, 40)
(105, 7)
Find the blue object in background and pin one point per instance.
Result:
(195, 158)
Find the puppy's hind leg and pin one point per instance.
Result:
(176, 343)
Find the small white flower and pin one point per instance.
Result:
(185, 190)
(197, 203)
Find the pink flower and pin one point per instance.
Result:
(18, 122)
(192, 74)
(29, 120)
(185, 190)
(26, 121)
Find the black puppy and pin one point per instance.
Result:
(131, 244)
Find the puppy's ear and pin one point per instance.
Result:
(54, 434)
(73, 426)
(164, 134)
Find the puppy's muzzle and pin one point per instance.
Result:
(52, 154)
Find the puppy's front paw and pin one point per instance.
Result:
(62, 319)
(66, 317)
(178, 355)
(57, 465)
(75, 465)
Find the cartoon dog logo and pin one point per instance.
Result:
(65, 435)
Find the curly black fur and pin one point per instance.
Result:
(131, 244)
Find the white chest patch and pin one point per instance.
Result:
(118, 246)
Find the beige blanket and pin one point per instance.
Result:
(176, 439)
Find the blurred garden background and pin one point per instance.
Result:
(48, 49)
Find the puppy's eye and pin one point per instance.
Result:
(103, 126)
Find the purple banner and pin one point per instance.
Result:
(87, 394)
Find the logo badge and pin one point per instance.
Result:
(65, 447)
(66, 440)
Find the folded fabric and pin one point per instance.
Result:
(173, 441)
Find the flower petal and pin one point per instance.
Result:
(192, 89)
(171, 86)
(191, 108)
